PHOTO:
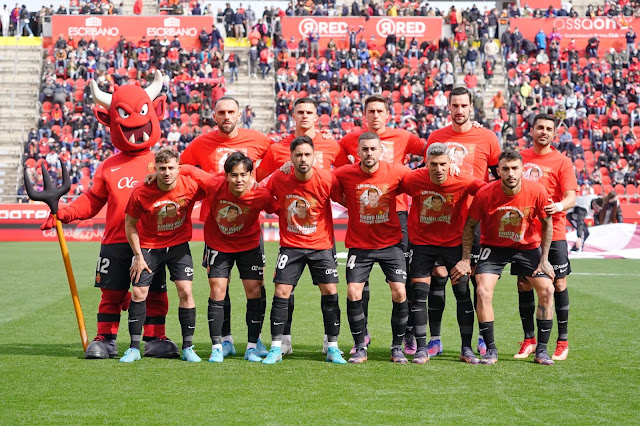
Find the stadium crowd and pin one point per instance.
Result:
(594, 100)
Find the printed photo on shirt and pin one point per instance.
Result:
(169, 215)
(459, 153)
(300, 220)
(387, 151)
(222, 153)
(229, 217)
(374, 204)
(512, 224)
(434, 208)
(532, 172)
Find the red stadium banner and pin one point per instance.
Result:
(610, 31)
(107, 29)
(21, 222)
(420, 27)
(542, 4)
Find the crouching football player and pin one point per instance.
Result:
(158, 228)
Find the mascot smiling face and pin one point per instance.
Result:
(132, 113)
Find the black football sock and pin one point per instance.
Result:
(279, 310)
(254, 319)
(527, 307)
(561, 299)
(436, 304)
(418, 312)
(544, 333)
(287, 327)
(137, 312)
(399, 318)
(365, 306)
(464, 312)
(263, 301)
(331, 316)
(226, 324)
(355, 314)
(486, 328)
(410, 298)
(187, 318)
(215, 315)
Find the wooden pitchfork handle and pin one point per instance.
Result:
(51, 196)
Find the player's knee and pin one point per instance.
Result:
(545, 293)
(484, 294)
(354, 292)
(139, 294)
(523, 285)
(398, 294)
(560, 284)
(283, 291)
(440, 271)
(328, 289)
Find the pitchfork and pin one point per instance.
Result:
(51, 196)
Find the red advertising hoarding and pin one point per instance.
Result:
(420, 27)
(107, 29)
(610, 31)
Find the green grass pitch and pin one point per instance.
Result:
(44, 378)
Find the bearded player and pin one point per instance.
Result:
(396, 145)
(327, 153)
(555, 172)
(209, 152)
(133, 114)
(475, 151)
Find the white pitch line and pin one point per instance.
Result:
(602, 274)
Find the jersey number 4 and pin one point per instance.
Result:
(351, 262)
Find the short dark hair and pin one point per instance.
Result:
(306, 100)
(301, 140)
(544, 117)
(458, 91)
(235, 159)
(376, 98)
(226, 98)
(368, 136)
(510, 155)
(165, 154)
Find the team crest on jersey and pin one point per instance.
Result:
(300, 218)
(512, 223)
(229, 217)
(374, 203)
(169, 215)
(435, 207)
(533, 172)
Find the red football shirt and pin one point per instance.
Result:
(438, 212)
(234, 225)
(473, 151)
(509, 220)
(328, 153)
(555, 172)
(396, 145)
(371, 203)
(165, 216)
(113, 183)
(304, 208)
(210, 151)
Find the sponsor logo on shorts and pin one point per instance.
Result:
(189, 271)
(333, 272)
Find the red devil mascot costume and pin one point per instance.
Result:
(133, 114)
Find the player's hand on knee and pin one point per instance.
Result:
(137, 266)
(545, 267)
(461, 269)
